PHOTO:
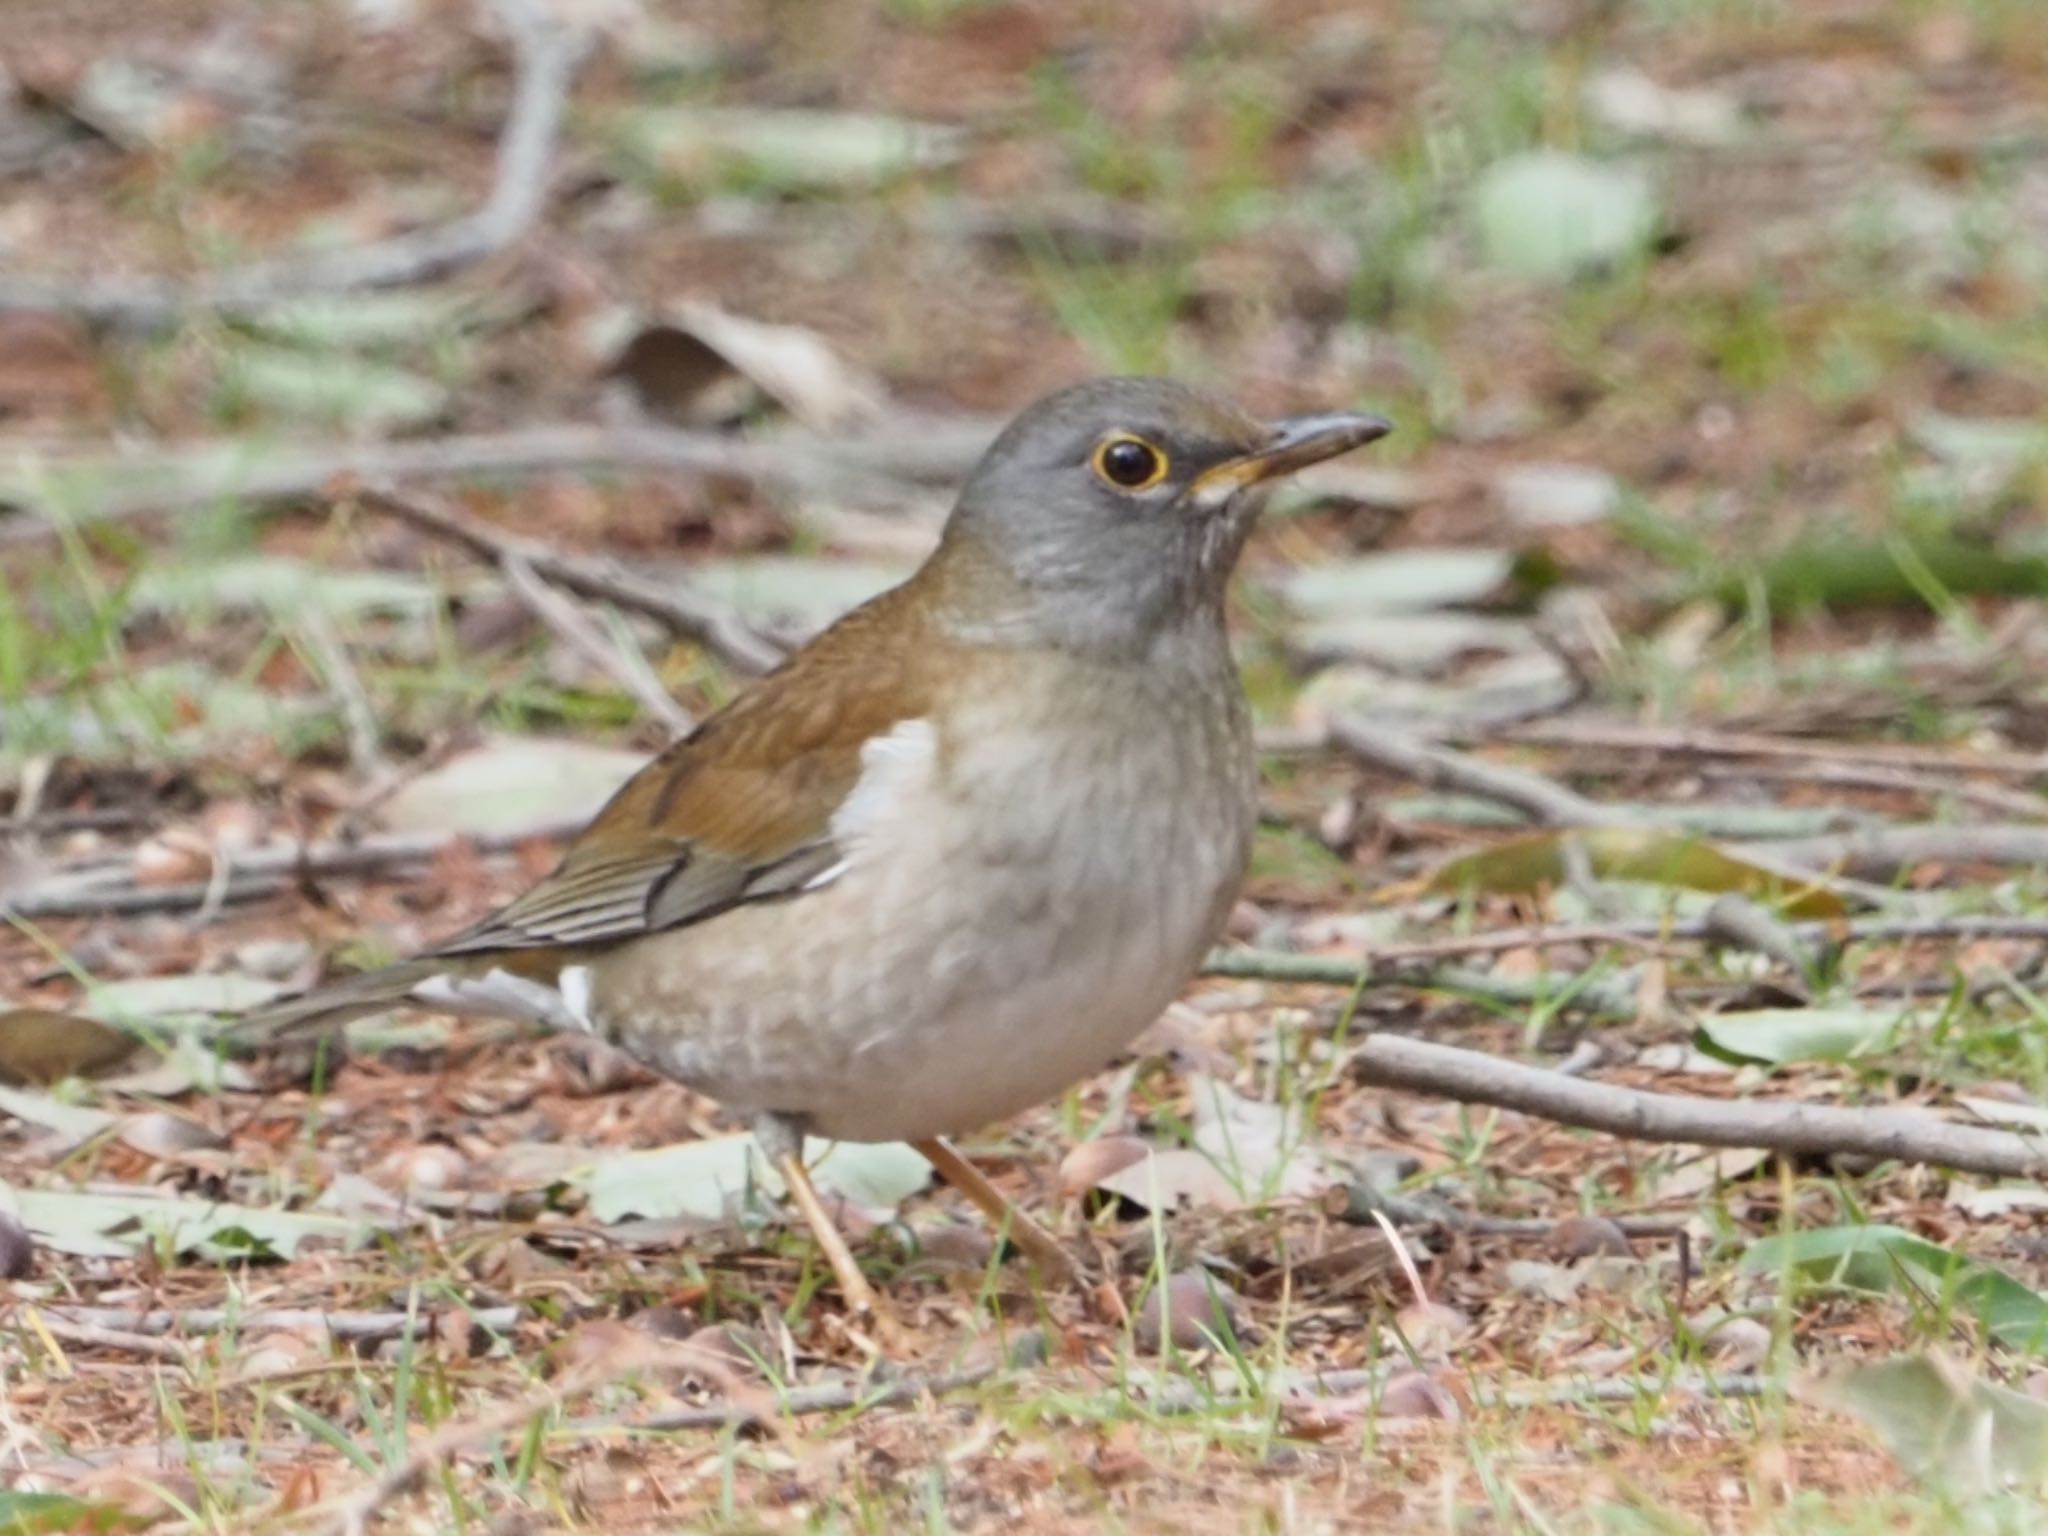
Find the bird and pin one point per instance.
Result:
(954, 854)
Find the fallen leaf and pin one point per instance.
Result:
(508, 783)
(710, 1181)
(1778, 1036)
(1538, 861)
(1941, 1422)
(785, 150)
(41, 1045)
(680, 363)
(1882, 1259)
(1550, 215)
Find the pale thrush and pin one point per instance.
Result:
(959, 850)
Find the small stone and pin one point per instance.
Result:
(1417, 1395)
(17, 1249)
(1191, 1310)
(1585, 1237)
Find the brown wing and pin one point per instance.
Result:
(739, 810)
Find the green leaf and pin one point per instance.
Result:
(1549, 215)
(333, 388)
(1524, 865)
(709, 1181)
(1941, 1423)
(1401, 581)
(119, 1226)
(279, 584)
(789, 151)
(41, 1045)
(1885, 1259)
(1780, 1035)
(398, 318)
(35, 1514)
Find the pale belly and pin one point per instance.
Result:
(994, 942)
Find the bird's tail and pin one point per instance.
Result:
(328, 1008)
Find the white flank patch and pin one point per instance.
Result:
(895, 780)
(575, 984)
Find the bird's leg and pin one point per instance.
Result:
(1009, 1221)
(783, 1141)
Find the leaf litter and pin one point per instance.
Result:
(1599, 389)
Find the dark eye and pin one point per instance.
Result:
(1130, 463)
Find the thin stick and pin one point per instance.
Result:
(96, 1336)
(1548, 804)
(1615, 996)
(353, 1325)
(1879, 853)
(582, 634)
(1474, 1077)
(696, 618)
(1704, 741)
(545, 58)
(358, 717)
(878, 472)
(106, 885)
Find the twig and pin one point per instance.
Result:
(1992, 797)
(107, 885)
(1650, 932)
(1704, 741)
(1739, 923)
(581, 633)
(1627, 1389)
(357, 1326)
(1547, 803)
(114, 485)
(1615, 996)
(100, 1336)
(1473, 1077)
(545, 55)
(1879, 853)
(697, 618)
(359, 719)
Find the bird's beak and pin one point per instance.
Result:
(1291, 444)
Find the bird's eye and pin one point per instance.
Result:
(1129, 463)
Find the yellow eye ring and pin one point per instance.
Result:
(1128, 462)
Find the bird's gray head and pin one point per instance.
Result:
(1114, 510)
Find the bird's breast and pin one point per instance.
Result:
(1028, 879)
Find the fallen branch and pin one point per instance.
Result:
(1652, 933)
(1814, 1130)
(712, 626)
(1543, 801)
(1704, 741)
(355, 1326)
(545, 58)
(107, 885)
(1613, 996)
(1880, 853)
(175, 479)
(93, 1335)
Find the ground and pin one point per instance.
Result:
(1708, 546)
